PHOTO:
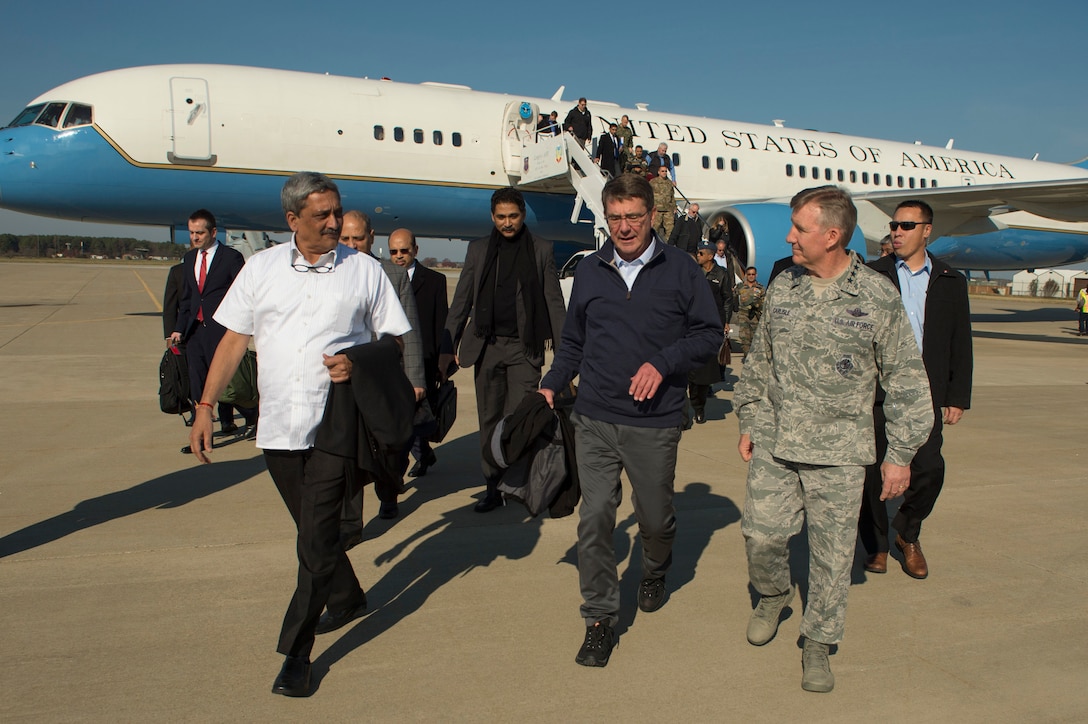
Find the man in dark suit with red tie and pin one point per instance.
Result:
(209, 270)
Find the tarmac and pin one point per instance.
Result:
(136, 585)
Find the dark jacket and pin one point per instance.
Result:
(667, 319)
(432, 306)
(221, 273)
(686, 233)
(460, 333)
(579, 122)
(607, 154)
(171, 299)
(370, 417)
(946, 334)
(534, 446)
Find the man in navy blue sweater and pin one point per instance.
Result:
(640, 317)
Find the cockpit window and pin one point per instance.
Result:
(27, 116)
(78, 115)
(51, 115)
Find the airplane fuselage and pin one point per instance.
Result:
(169, 139)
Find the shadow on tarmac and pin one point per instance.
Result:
(699, 514)
(442, 553)
(168, 491)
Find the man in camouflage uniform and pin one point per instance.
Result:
(749, 296)
(626, 135)
(804, 402)
(664, 203)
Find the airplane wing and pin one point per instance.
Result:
(968, 209)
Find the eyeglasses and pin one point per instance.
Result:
(303, 268)
(907, 225)
(632, 219)
(398, 252)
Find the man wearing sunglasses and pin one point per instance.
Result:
(935, 298)
(432, 304)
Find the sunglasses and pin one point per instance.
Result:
(398, 252)
(907, 225)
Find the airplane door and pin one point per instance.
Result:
(192, 125)
(518, 129)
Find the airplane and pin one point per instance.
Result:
(147, 145)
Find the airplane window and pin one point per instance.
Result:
(853, 177)
(815, 172)
(841, 176)
(887, 179)
(398, 134)
(789, 169)
(900, 180)
(456, 138)
(721, 163)
(865, 177)
(417, 135)
(876, 179)
(78, 115)
(735, 165)
(923, 183)
(933, 184)
(379, 133)
(27, 116)
(51, 115)
(436, 138)
(911, 179)
(706, 161)
(827, 174)
(801, 170)
(676, 159)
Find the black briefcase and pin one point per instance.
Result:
(445, 411)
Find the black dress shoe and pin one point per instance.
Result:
(228, 428)
(330, 621)
(389, 510)
(294, 677)
(700, 418)
(492, 500)
(420, 468)
(186, 450)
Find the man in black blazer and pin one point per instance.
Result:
(208, 270)
(608, 150)
(171, 304)
(432, 305)
(935, 297)
(506, 308)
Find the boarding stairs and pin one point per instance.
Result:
(553, 164)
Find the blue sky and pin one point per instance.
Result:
(998, 76)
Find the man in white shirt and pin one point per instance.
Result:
(300, 303)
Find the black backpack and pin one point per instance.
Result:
(174, 383)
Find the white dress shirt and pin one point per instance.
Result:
(297, 316)
(196, 264)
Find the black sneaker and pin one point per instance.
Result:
(651, 594)
(598, 645)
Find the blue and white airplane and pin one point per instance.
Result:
(148, 145)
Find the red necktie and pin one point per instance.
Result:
(200, 281)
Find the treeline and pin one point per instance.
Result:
(111, 247)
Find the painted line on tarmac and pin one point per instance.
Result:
(154, 299)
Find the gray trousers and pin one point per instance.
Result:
(648, 454)
(781, 495)
(503, 375)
